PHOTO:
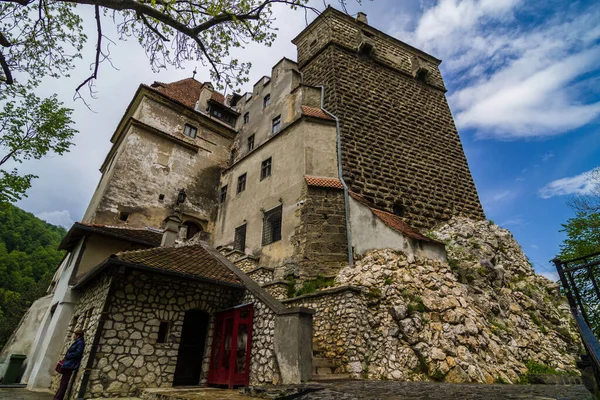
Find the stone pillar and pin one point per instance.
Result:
(293, 345)
(171, 233)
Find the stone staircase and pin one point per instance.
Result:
(325, 369)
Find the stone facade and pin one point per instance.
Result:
(400, 147)
(477, 318)
(86, 317)
(320, 238)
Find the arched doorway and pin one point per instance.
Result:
(192, 229)
(191, 348)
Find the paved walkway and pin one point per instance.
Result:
(23, 394)
(384, 390)
(376, 390)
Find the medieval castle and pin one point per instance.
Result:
(211, 211)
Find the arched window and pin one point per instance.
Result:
(192, 229)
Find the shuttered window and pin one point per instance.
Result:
(239, 242)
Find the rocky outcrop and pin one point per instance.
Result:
(477, 318)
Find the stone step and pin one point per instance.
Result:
(330, 377)
(322, 362)
(323, 370)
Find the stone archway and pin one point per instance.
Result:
(192, 228)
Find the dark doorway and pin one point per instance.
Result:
(192, 229)
(191, 348)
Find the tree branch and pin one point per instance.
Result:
(8, 78)
(153, 29)
(98, 50)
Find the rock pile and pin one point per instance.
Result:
(477, 318)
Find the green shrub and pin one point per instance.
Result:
(312, 285)
(373, 293)
(437, 375)
(291, 289)
(388, 281)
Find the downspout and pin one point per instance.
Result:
(94, 349)
(341, 177)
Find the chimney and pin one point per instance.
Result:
(171, 231)
(362, 17)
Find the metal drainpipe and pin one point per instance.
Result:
(340, 175)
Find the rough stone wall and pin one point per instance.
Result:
(263, 362)
(260, 275)
(340, 326)
(399, 142)
(86, 317)
(129, 357)
(478, 318)
(320, 239)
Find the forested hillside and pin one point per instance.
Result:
(28, 259)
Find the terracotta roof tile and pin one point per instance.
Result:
(146, 234)
(391, 220)
(315, 113)
(218, 97)
(185, 91)
(333, 183)
(190, 260)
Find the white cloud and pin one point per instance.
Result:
(62, 218)
(513, 222)
(514, 80)
(553, 276)
(579, 184)
(547, 156)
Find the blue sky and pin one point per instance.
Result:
(523, 81)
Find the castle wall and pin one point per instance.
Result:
(153, 158)
(320, 240)
(302, 147)
(400, 147)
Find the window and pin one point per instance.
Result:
(190, 131)
(246, 117)
(276, 124)
(265, 169)
(239, 242)
(217, 113)
(266, 100)
(123, 216)
(223, 196)
(251, 143)
(163, 331)
(231, 157)
(241, 186)
(271, 226)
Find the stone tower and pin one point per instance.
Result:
(400, 147)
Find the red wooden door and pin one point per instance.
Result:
(232, 341)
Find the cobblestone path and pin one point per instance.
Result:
(384, 390)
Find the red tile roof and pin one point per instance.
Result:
(391, 220)
(146, 236)
(185, 91)
(333, 183)
(315, 113)
(188, 260)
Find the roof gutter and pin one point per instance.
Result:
(341, 177)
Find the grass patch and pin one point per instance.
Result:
(498, 326)
(501, 381)
(291, 289)
(373, 293)
(416, 305)
(312, 285)
(388, 281)
(437, 375)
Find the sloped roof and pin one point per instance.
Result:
(147, 236)
(333, 183)
(192, 260)
(391, 220)
(185, 91)
(315, 113)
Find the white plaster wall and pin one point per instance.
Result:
(46, 349)
(370, 233)
(23, 338)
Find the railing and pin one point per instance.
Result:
(579, 281)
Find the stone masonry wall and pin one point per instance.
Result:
(86, 317)
(320, 238)
(263, 364)
(340, 327)
(400, 146)
(129, 357)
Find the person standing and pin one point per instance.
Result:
(71, 364)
